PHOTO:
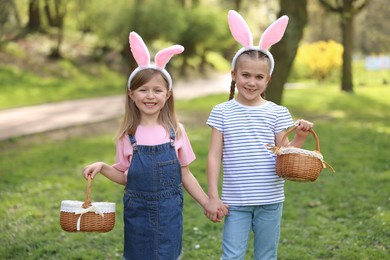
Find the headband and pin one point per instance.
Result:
(242, 34)
(142, 57)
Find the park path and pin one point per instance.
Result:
(24, 121)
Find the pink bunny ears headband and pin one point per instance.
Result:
(142, 57)
(242, 34)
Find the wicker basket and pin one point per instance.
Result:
(87, 216)
(297, 164)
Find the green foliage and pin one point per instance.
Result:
(218, 62)
(319, 60)
(345, 215)
(206, 29)
(158, 20)
(114, 24)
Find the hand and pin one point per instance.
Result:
(303, 128)
(215, 210)
(222, 212)
(93, 169)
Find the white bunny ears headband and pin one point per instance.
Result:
(142, 57)
(242, 34)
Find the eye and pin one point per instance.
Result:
(157, 90)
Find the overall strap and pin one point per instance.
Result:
(133, 142)
(172, 136)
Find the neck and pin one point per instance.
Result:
(149, 121)
(256, 102)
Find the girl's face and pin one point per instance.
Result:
(251, 76)
(150, 97)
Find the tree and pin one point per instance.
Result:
(151, 23)
(34, 16)
(372, 28)
(55, 15)
(346, 9)
(8, 13)
(237, 5)
(205, 31)
(285, 51)
(323, 29)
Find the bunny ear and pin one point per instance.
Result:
(274, 33)
(163, 56)
(139, 49)
(239, 29)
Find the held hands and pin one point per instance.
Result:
(215, 210)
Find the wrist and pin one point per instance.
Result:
(214, 197)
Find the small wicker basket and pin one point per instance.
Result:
(87, 216)
(297, 164)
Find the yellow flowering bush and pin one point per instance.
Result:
(320, 58)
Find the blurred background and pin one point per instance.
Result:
(86, 44)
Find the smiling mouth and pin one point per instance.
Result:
(250, 89)
(149, 104)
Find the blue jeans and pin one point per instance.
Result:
(264, 220)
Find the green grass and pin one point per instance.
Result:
(345, 215)
(61, 81)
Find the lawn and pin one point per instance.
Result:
(345, 215)
(59, 81)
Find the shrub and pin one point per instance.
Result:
(319, 60)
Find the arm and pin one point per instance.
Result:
(193, 187)
(301, 133)
(213, 172)
(105, 169)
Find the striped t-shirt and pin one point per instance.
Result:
(249, 176)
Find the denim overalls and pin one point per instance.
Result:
(153, 203)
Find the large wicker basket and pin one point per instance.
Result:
(297, 164)
(87, 216)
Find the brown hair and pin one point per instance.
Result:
(132, 117)
(254, 54)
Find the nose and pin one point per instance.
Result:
(149, 94)
(251, 82)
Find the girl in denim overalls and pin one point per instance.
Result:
(153, 154)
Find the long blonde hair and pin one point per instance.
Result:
(132, 117)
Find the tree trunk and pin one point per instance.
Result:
(203, 62)
(58, 19)
(347, 41)
(347, 9)
(34, 16)
(284, 52)
(126, 52)
(184, 65)
(48, 13)
(237, 5)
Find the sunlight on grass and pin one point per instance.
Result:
(21, 88)
(339, 114)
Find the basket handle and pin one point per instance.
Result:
(311, 131)
(87, 203)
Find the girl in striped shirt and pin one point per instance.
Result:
(240, 130)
